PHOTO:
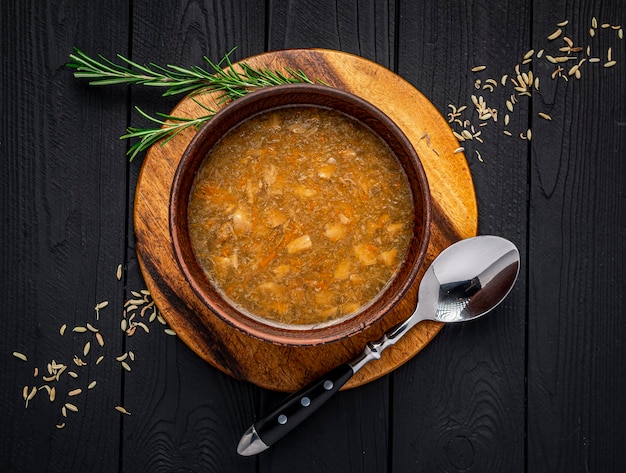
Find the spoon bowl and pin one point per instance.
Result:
(466, 281)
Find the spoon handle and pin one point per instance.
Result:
(299, 406)
(293, 411)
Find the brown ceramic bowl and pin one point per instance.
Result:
(285, 96)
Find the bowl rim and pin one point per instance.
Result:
(210, 297)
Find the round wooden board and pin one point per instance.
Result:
(281, 368)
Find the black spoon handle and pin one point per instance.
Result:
(293, 411)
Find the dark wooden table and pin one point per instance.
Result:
(537, 386)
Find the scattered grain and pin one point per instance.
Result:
(573, 70)
(52, 394)
(540, 53)
(478, 68)
(594, 22)
(122, 357)
(60, 426)
(78, 362)
(92, 385)
(79, 329)
(125, 365)
(480, 158)
(507, 133)
(529, 54)
(73, 374)
(118, 273)
(71, 407)
(563, 23)
(507, 118)
(35, 372)
(592, 32)
(62, 329)
(75, 392)
(91, 328)
(20, 356)
(556, 34)
(620, 33)
(99, 360)
(131, 356)
(64, 411)
(545, 116)
(86, 348)
(122, 410)
(606, 25)
(169, 331)
(610, 63)
(100, 339)
(460, 149)
(101, 305)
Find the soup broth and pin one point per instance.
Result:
(301, 216)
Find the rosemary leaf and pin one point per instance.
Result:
(221, 77)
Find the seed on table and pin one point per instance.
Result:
(592, 32)
(122, 410)
(53, 393)
(563, 23)
(594, 22)
(478, 68)
(60, 426)
(169, 331)
(86, 348)
(35, 372)
(92, 385)
(75, 392)
(545, 116)
(91, 328)
(610, 63)
(71, 407)
(100, 358)
(20, 356)
(62, 329)
(79, 329)
(126, 366)
(101, 305)
(556, 34)
(73, 374)
(100, 339)
(118, 273)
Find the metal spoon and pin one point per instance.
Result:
(465, 281)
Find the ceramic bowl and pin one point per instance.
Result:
(268, 99)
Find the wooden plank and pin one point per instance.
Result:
(62, 238)
(362, 27)
(576, 331)
(186, 415)
(351, 432)
(459, 405)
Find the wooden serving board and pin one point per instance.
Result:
(282, 368)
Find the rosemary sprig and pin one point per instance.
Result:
(219, 77)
